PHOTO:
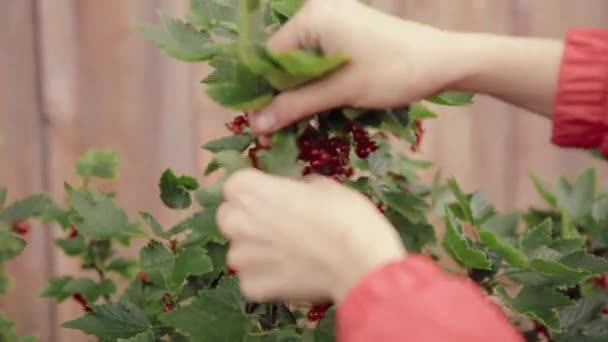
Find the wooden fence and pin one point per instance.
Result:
(74, 75)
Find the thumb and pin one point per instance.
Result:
(291, 106)
(297, 33)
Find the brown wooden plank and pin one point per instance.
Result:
(23, 168)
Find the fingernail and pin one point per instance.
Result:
(264, 122)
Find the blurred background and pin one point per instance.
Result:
(74, 74)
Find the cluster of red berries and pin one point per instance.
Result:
(326, 156)
(168, 300)
(82, 301)
(419, 135)
(364, 145)
(601, 281)
(21, 227)
(318, 312)
(237, 125)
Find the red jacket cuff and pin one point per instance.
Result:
(580, 116)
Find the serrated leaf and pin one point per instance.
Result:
(511, 254)
(550, 273)
(125, 267)
(3, 193)
(537, 236)
(175, 191)
(481, 208)
(218, 16)
(210, 197)
(10, 245)
(56, 288)
(503, 225)
(287, 8)
(233, 143)
(9, 334)
(460, 246)
(463, 201)
(581, 312)
(191, 261)
(72, 246)
(282, 158)
(567, 246)
(158, 263)
(537, 303)
(215, 315)
(100, 217)
(180, 40)
(154, 225)
(405, 203)
(452, 98)
(203, 226)
(543, 191)
(230, 161)
(112, 321)
(577, 200)
(64, 287)
(299, 67)
(414, 236)
(585, 262)
(97, 163)
(32, 206)
(146, 336)
(420, 112)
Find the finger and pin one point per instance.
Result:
(252, 188)
(230, 220)
(330, 92)
(298, 33)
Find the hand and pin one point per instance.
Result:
(302, 241)
(392, 61)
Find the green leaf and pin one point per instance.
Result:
(537, 237)
(460, 246)
(233, 143)
(463, 202)
(537, 303)
(100, 217)
(203, 226)
(146, 336)
(577, 200)
(158, 263)
(180, 40)
(452, 98)
(72, 246)
(287, 8)
(125, 267)
(112, 321)
(481, 208)
(325, 331)
(544, 191)
(3, 193)
(191, 261)
(282, 158)
(215, 315)
(210, 197)
(583, 311)
(405, 203)
(154, 225)
(585, 262)
(420, 112)
(230, 161)
(512, 255)
(414, 236)
(8, 333)
(503, 225)
(302, 66)
(64, 287)
(97, 163)
(10, 245)
(219, 16)
(550, 272)
(175, 191)
(567, 246)
(234, 86)
(32, 206)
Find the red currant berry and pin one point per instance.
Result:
(168, 307)
(362, 152)
(349, 172)
(73, 232)
(605, 310)
(318, 312)
(601, 281)
(167, 298)
(381, 208)
(231, 270)
(307, 170)
(143, 276)
(21, 227)
(316, 163)
(540, 329)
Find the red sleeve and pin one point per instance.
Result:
(413, 300)
(580, 117)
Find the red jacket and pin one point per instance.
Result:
(413, 300)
